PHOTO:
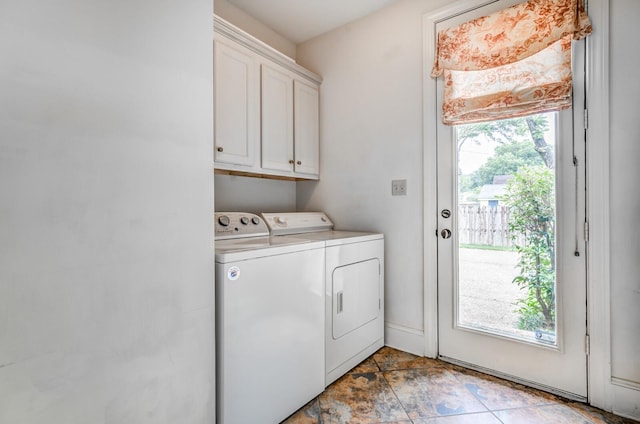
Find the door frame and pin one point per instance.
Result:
(602, 391)
(430, 177)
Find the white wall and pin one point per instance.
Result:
(625, 196)
(248, 23)
(371, 133)
(246, 194)
(106, 198)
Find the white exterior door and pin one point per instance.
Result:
(503, 306)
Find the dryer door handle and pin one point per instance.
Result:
(339, 302)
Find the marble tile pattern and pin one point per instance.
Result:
(395, 387)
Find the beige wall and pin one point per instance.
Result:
(371, 133)
(245, 194)
(624, 192)
(248, 23)
(106, 197)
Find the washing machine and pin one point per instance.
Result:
(354, 287)
(269, 321)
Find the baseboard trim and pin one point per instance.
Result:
(404, 338)
(626, 398)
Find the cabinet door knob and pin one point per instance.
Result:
(291, 161)
(220, 149)
(299, 162)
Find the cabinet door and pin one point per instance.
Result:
(306, 129)
(236, 104)
(277, 119)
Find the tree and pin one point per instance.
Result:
(505, 132)
(538, 125)
(530, 196)
(506, 160)
(502, 131)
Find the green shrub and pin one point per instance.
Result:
(531, 198)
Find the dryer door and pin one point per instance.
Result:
(356, 295)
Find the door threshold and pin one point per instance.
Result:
(548, 389)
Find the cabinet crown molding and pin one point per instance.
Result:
(241, 37)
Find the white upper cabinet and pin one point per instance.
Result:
(237, 107)
(277, 119)
(266, 109)
(306, 126)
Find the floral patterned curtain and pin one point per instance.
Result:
(512, 63)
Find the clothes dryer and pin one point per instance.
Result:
(354, 287)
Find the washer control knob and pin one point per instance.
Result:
(281, 220)
(255, 220)
(244, 220)
(224, 220)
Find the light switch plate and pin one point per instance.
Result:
(399, 187)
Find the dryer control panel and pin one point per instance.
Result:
(297, 222)
(231, 225)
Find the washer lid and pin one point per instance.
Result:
(337, 237)
(260, 247)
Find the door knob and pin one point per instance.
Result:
(220, 149)
(446, 233)
(299, 162)
(291, 161)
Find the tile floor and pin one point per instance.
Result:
(396, 387)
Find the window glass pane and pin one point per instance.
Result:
(506, 227)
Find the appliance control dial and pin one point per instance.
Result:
(281, 220)
(232, 225)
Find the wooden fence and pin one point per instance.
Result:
(484, 225)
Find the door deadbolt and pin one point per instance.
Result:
(446, 233)
(446, 213)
